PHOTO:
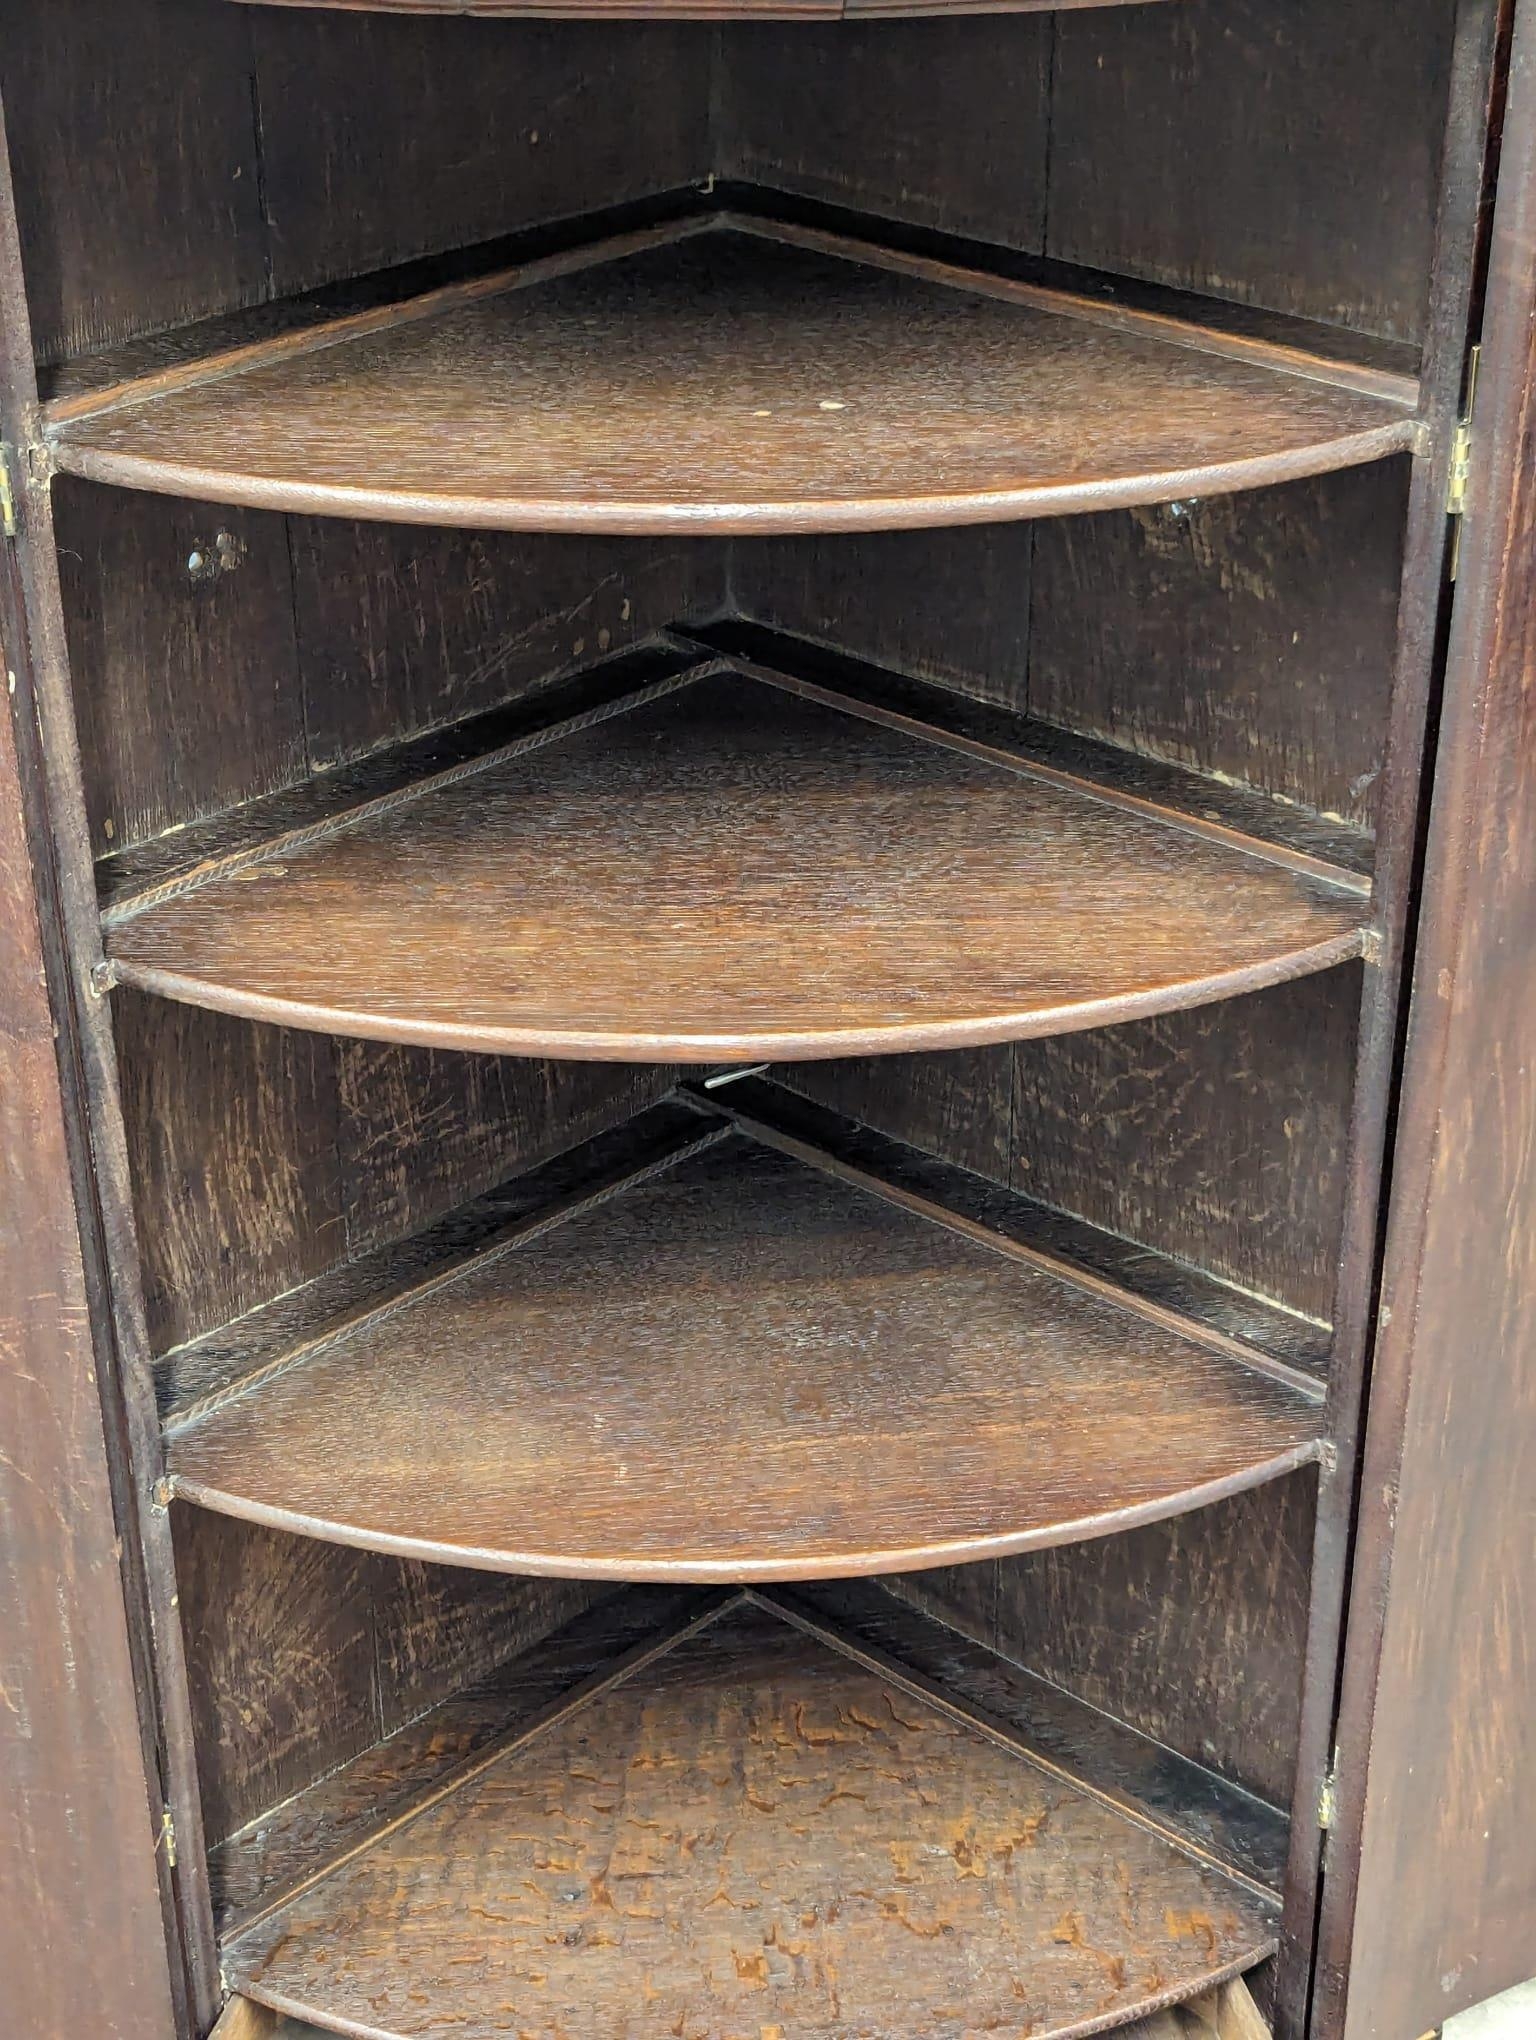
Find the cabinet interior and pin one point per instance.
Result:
(890, 1226)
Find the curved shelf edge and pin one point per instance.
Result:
(1028, 400)
(613, 516)
(701, 1050)
(713, 1739)
(699, 1570)
(740, 1360)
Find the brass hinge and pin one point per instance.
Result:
(1459, 478)
(168, 1836)
(1328, 1797)
(7, 492)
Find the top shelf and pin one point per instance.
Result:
(730, 375)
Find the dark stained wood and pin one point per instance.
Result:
(284, 1845)
(423, 1131)
(1162, 1627)
(1217, 1136)
(753, 843)
(1437, 1780)
(583, 1397)
(1249, 637)
(388, 139)
(1284, 155)
(958, 1105)
(1202, 2019)
(847, 112)
(302, 1655)
(754, 1771)
(855, 592)
(811, 383)
(960, 707)
(232, 1135)
(76, 1827)
(114, 1386)
(403, 629)
(1192, 1631)
(1243, 1833)
(326, 797)
(776, 1109)
(185, 672)
(1476, 106)
(1285, 152)
(158, 219)
(280, 1661)
(208, 1365)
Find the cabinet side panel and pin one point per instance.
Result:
(77, 1843)
(1285, 153)
(1246, 636)
(133, 147)
(852, 113)
(1217, 1136)
(384, 139)
(947, 606)
(301, 1654)
(1192, 1631)
(185, 674)
(1438, 1790)
(402, 628)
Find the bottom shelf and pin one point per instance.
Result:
(746, 1825)
(1226, 2013)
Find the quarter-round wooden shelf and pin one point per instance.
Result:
(721, 866)
(750, 1364)
(751, 1827)
(730, 376)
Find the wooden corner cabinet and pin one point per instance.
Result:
(767, 1067)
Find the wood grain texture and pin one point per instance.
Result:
(754, 845)
(183, 662)
(424, 1131)
(1217, 1136)
(157, 219)
(385, 139)
(1191, 1632)
(1438, 1785)
(855, 592)
(244, 2019)
(403, 629)
(301, 1655)
(75, 1784)
(1238, 1830)
(847, 112)
(286, 1844)
(232, 1138)
(207, 1366)
(1249, 637)
(742, 1368)
(754, 1831)
(1194, 1632)
(1283, 152)
(972, 709)
(957, 1106)
(809, 384)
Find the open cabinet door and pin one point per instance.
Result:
(1431, 1880)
